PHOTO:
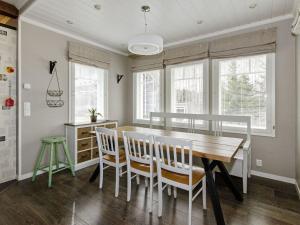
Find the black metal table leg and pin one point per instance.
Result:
(95, 174)
(229, 181)
(212, 190)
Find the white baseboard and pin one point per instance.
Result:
(274, 177)
(298, 189)
(77, 167)
(30, 174)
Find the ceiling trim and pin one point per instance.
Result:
(230, 30)
(69, 34)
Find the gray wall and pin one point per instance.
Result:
(298, 111)
(278, 153)
(38, 47)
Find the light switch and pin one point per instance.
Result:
(27, 109)
(27, 86)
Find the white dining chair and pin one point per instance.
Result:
(110, 154)
(139, 155)
(177, 171)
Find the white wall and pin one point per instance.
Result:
(38, 47)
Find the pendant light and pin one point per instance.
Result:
(146, 44)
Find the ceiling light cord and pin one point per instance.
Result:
(146, 25)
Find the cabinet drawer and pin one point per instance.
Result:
(83, 132)
(95, 153)
(83, 156)
(83, 144)
(94, 142)
(111, 125)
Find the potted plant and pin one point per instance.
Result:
(94, 114)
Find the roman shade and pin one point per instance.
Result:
(143, 63)
(258, 42)
(186, 53)
(88, 55)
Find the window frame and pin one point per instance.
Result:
(72, 91)
(270, 86)
(146, 121)
(206, 91)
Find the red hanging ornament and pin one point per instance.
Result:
(9, 102)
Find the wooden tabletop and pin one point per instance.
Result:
(204, 146)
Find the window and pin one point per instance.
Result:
(89, 90)
(148, 89)
(245, 86)
(187, 88)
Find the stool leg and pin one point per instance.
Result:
(67, 153)
(38, 161)
(56, 155)
(50, 166)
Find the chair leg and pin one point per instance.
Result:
(121, 171)
(56, 155)
(67, 153)
(50, 166)
(128, 184)
(117, 181)
(245, 173)
(175, 192)
(204, 193)
(160, 199)
(190, 206)
(38, 162)
(169, 190)
(146, 182)
(151, 193)
(101, 174)
(138, 179)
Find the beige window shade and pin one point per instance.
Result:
(258, 42)
(143, 63)
(88, 55)
(186, 53)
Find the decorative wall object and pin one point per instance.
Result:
(54, 92)
(119, 77)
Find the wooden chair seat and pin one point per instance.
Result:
(143, 167)
(112, 158)
(197, 174)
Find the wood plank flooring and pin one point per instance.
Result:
(76, 201)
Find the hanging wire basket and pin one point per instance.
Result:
(55, 93)
(53, 96)
(55, 103)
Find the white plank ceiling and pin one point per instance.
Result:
(174, 20)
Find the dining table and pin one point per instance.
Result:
(214, 151)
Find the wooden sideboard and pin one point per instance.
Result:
(83, 145)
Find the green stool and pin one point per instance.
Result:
(53, 143)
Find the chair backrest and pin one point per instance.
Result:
(171, 155)
(107, 141)
(138, 147)
(218, 121)
(167, 118)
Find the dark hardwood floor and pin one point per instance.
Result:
(76, 201)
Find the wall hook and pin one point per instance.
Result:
(119, 77)
(52, 66)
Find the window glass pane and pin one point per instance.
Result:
(243, 88)
(89, 91)
(148, 93)
(187, 89)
